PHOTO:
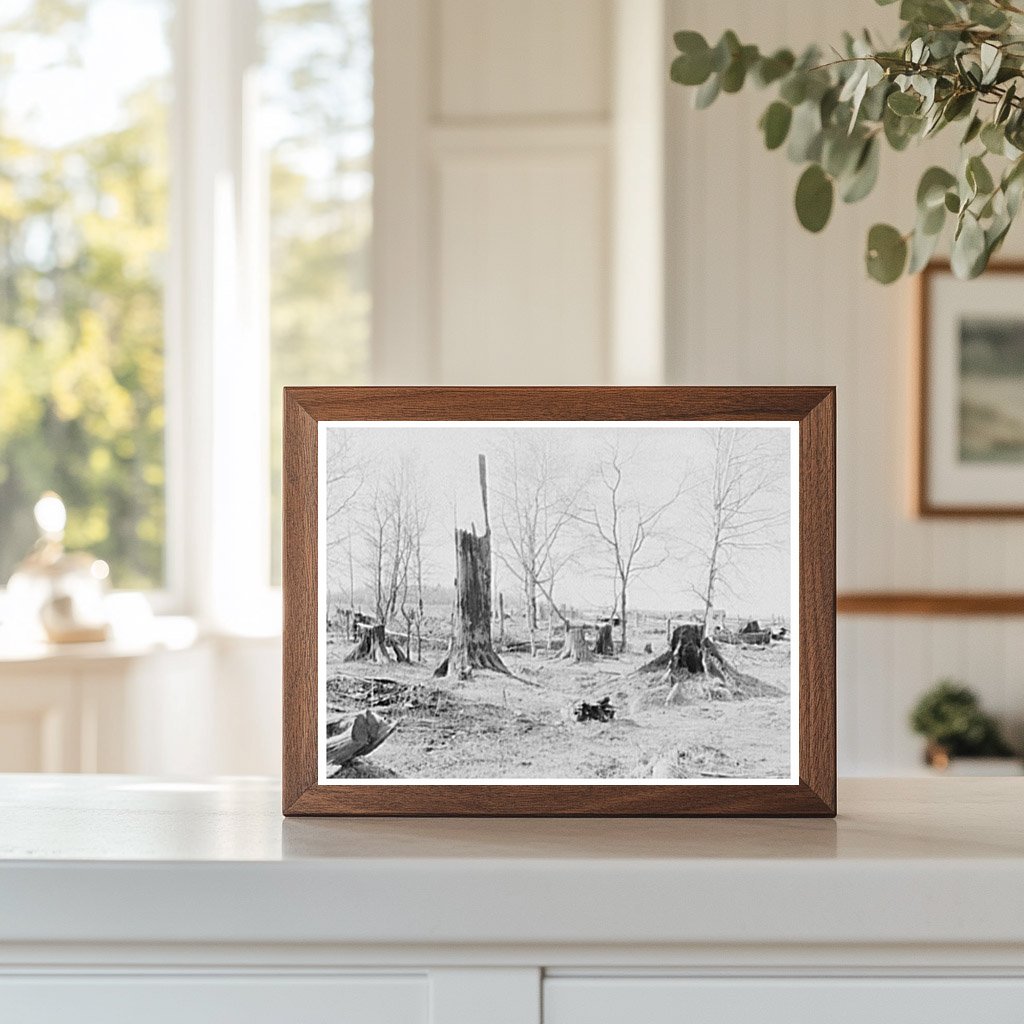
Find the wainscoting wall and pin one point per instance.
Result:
(551, 210)
(753, 299)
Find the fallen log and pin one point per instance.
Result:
(366, 734)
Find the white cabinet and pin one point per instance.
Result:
(202, 999)
(128, 899)
(828, 1000)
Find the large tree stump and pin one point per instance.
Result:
(698, 670)
(374, 645)
(575, 647)
(605, 645)
(470, 645)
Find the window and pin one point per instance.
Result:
(317, 88)
(83, 235)
(175, 246)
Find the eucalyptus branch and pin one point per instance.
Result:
(956, 61)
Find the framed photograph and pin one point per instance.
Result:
(970, 450)
(559, 601)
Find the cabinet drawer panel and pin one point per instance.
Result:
(201, 999)
(783, 1001)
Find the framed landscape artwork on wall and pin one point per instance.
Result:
(559, 601)
(970, 450)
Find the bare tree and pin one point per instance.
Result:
(346, 473)
(417, 526)
(737, 507)
(392, 528)
(624, 524)
(346, 477)
(536, 507)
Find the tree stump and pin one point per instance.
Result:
(374, 645)
(698, 670)
(470, 645)
(575, 647)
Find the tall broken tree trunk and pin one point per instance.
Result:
(575, 647)
(471, 645)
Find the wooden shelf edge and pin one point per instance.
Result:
(911, 603)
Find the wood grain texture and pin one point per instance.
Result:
(812, 407)
(925, 603)
(923, 503)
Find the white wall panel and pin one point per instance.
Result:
(754, 299)
(522, 280)
(530, 58)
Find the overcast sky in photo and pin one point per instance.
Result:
(657, 462)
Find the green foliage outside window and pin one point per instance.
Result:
(83, 218)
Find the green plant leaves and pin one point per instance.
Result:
(805, 133)
(957, 60)
(886, 254)
(978, 176)
(932, 189)
(865, 173)
(771, 69)
(775, 122)
(969, 255)
(814, 196)
(693, 65)
(993, 138)
(904, 103)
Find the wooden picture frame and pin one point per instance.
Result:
(809, 791)
(931, 374)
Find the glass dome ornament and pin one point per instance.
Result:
(56, 595)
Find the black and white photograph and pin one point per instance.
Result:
(557, 602)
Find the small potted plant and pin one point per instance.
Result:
(950, 718)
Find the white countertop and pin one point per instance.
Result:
(123, 859)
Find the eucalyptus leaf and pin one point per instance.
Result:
(840, 152)
(805, 133)
(724, 51)
(931, 190)
(991, 60)
(771, 69)
(993, 138)
(735, 74)
(968, 248)
(865, 174)
(794, 88)
(922, 247)
(904, 103)
(958, 105)
(775, 124)
(886, 253)
(1005, 105)
(987, 15)
(814, 196)
(973, 130)
(707, 93)
(691, 70)
(978, 176)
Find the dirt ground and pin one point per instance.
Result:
(494, 726)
